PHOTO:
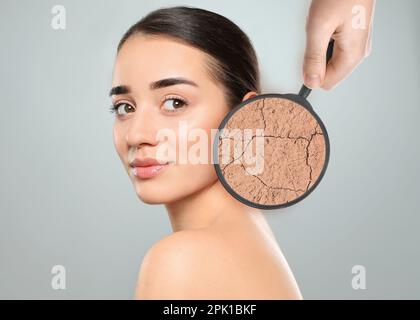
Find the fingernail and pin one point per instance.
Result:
(312, 80)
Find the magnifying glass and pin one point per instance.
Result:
(272, 150)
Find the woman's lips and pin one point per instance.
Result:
(148, 171)
(146, 168)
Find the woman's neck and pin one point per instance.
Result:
(202, 208)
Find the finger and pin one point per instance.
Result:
(314, 63)
(342, 63)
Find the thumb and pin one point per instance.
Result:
(314, 62)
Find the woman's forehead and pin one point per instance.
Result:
(159, 57)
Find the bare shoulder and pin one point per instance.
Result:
(197, 264)
(171, 267)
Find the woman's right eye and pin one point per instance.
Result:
(122, 108)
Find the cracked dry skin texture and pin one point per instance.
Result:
(294, 151)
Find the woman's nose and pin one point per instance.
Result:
(142, 128)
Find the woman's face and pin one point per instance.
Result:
(145, 113)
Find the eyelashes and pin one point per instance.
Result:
(180, 100)
(114, 108)
(180, 104)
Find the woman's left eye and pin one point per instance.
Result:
(172, 104)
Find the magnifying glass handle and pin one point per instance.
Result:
(305, 91)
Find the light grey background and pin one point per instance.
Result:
(66, 199)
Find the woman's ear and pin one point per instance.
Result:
(250, 94)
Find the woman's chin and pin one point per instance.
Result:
(151, 200)
(151, 196)
(154, 195)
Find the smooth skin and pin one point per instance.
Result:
(219, 248)
(339, 20)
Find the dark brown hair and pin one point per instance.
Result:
(233, 61)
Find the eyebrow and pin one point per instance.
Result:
(122, 89)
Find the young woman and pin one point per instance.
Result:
(191, 66)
